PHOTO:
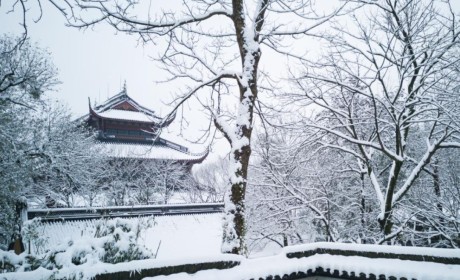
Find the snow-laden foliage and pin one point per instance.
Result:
(366, 155)
(33, 236)
(25, 71)
(10, 262)
(112, 241)
(45, 159)
(211, 182)
(131, 181)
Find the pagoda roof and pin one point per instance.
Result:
(150, 151)
(123, 107)
(163, 145)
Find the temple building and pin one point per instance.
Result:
(129, 130)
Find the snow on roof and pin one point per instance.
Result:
(180, 236)
(126, 150)
(122, 97)
(174, 137)
(127, 115)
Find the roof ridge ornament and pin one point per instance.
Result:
(125, 90)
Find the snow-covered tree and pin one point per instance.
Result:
(211, 182)
(67, 159)
(44, 155)
(301, 192)
(129, 181)
(386, 93)
(25, 71)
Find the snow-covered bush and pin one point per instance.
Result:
(32, 235)
(9, 261)
(114, 241)
(122, 237)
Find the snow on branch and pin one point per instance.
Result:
(118, 17)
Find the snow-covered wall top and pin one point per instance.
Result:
(298, 250)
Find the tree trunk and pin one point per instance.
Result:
(247, 38)
(385, 221)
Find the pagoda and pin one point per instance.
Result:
(129, 130)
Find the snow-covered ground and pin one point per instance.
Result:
(181, 236)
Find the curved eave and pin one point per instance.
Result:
(169, 120)
(199, 158)
(123, 150)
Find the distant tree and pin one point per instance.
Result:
(128, 181)
(434, 205)
(67, 160)
(25, 71)
(301, 192)
(211, 181)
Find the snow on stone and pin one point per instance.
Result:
(436, 252)
(125, 150)
(127, 115)
(180, 236)
(280, 265)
